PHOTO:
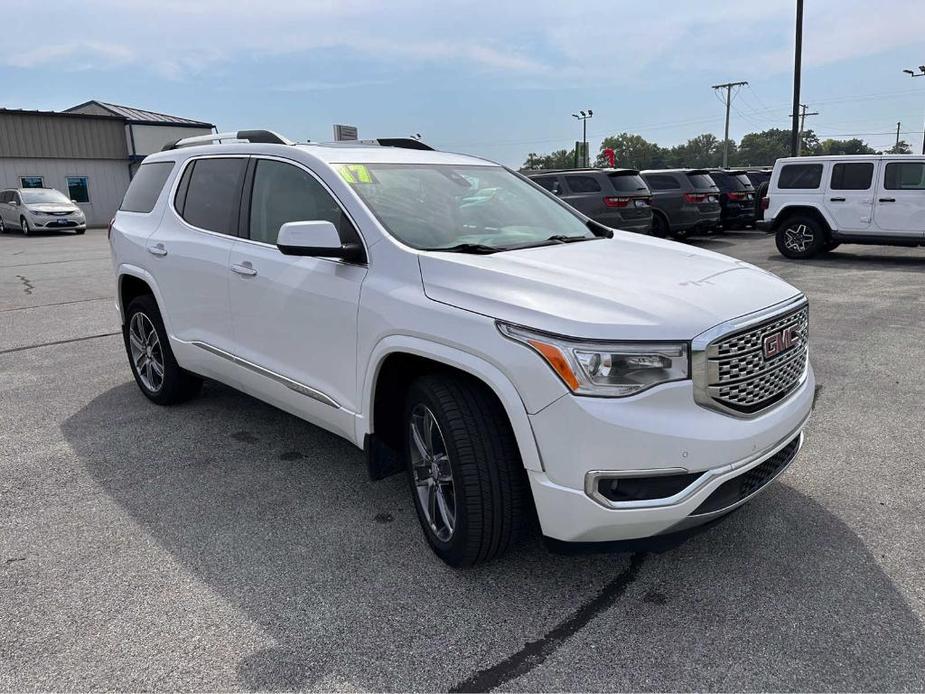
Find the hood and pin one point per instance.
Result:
(629, 287)
(52, 207)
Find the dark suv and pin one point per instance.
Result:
(617, 198)
(685, 201)
(761, 179)
(736, 198)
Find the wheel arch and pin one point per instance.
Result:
(397, 359)
(134, 281)
(808, 210)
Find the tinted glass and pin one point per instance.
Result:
(629, 183)
(856, 176)
(31, 182)
(743, 182)
(285, 193)
(905, 176)
(550, 183)
(4, 197)
(583, 184)
(434, 206)
(800, 176)
(78, 188)
(701, 181)
(145, 187)
(661, 182)
(214, 194)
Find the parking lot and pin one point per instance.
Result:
(225, 545)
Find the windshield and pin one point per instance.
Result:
(441, 206)
(37, 196)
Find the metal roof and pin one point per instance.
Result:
(138, 115)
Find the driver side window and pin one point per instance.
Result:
(285, 193)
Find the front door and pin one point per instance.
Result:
(849, 196)
(295, 318)
(900, 199)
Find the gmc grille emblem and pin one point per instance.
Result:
(779, 342)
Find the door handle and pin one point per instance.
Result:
(157, 249)
(245, 269)
(836, 199)
(887, 199)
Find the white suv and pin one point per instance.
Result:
(815, 204)
(459, 322)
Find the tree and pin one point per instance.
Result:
(702, 151)
(852, 146)
(901, 147)
(560, 159)
(632, 152)
(764, 148)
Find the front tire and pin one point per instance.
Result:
(153, 365)
(467, 480)
(800, 238)
(2, 227)
(24, 225)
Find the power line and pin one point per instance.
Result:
(728, 87)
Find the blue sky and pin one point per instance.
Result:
(496, 79)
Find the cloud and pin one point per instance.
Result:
(74, 55)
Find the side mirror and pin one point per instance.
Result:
(318, 239)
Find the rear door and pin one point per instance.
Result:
(899, 207)
(551, 183)
(849, 196)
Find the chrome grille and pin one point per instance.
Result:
(739, 377)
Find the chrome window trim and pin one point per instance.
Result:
(298, 387)
(594, 476)
(700, 344)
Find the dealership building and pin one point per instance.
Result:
(89, 152)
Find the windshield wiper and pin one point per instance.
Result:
(570, 239)
(476, 248)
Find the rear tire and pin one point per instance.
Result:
(480, 505)
(659, 226)
(153, 365)
(800, 238)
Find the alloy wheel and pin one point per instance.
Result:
(799, 238)
(433, 476)
(147, 354)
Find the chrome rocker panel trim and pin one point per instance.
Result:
(299, 388)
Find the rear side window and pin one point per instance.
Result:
(800, 176)
(214, 193)
(550, 183)
(905, 176)
(145, 188)
(628, 183)
(743, 182)
(583, 184)
(662, 182)
(701, 181)
(856, 176)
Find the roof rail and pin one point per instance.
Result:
(403, 142)
(255, 136)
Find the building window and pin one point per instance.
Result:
(31, 182)
(77, 189)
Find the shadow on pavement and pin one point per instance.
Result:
(279, 519)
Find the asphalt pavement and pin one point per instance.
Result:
(225, 545)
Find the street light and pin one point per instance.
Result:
(584, 133)
(920, 73)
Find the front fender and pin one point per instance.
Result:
(451, 356)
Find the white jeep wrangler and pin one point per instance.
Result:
(815, 204)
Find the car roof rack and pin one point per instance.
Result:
(402, 142)
(267, 137)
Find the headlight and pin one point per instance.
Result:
(612, 369)
(37, 213)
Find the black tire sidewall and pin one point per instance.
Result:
(178, 384)
(659, 226)
(818, 244)
(452, 551)
(24, 225)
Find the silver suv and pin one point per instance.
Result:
(32, 209)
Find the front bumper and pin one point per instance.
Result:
(53, 222)
(660, 430)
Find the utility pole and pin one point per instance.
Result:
(797, 63)
(728, 87)
(584, 135)
(803, 114)
(920, 73)
(898, 124)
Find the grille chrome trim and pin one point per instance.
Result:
(723, 359)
